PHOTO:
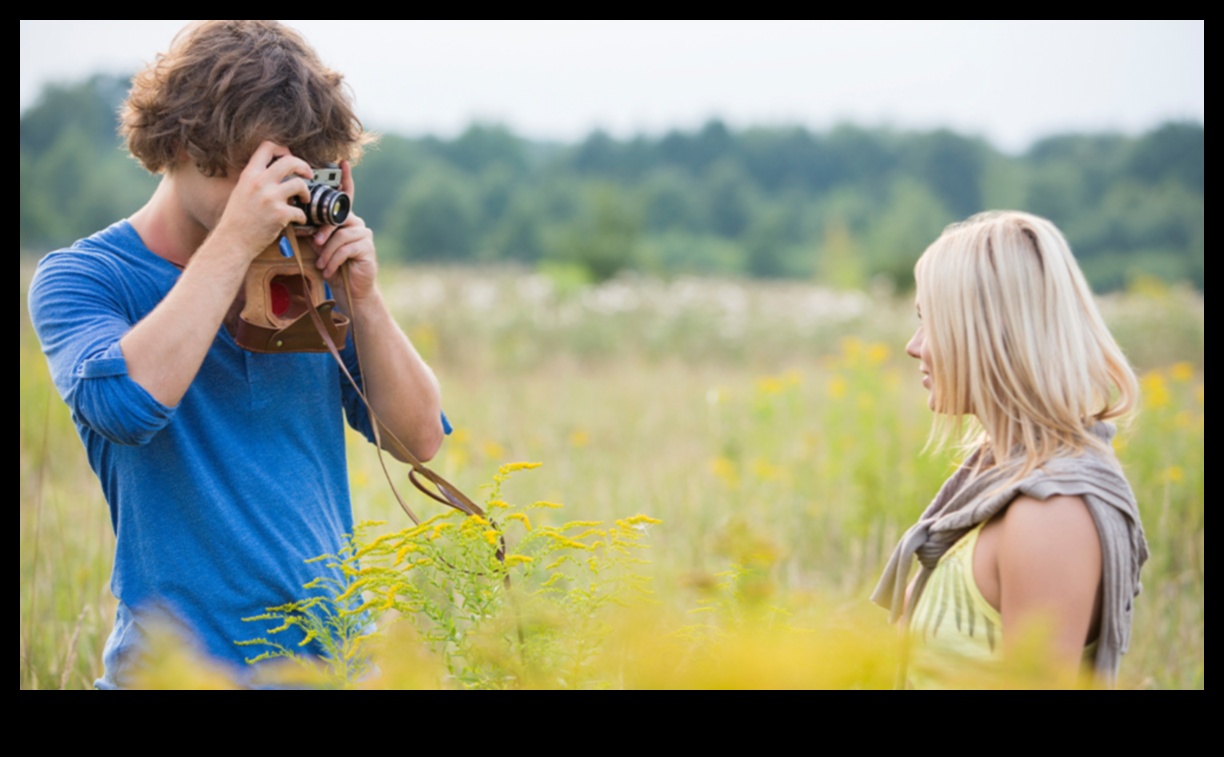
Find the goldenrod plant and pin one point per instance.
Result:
(503, 601)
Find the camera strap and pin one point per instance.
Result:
(443, 491)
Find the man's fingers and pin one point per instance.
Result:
(299, 188)
(332, 245)
(295, 174)
(322, 235)
(346, 179)
(266, 154)
(282, 163)
(292, 166)
(347, 243)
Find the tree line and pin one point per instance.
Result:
(845, 206)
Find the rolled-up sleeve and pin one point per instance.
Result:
(79, 315)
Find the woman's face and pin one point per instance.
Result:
(920, 351)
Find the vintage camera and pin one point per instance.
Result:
(328, 206)
(283, 285)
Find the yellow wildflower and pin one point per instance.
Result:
(590, 532)
(636, 520)
(513, 560)
(512, 467)
(522, 518)
(565, 541)
(542, 503)
(580, 524)
(456, 458)
(852, 347)
(352, 645)
(764, 470)
(491, 536)
(374, 544)
(724, 469)
(1155, 391)
(1182, 371)
(770, 385)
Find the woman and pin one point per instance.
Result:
(1038, 528)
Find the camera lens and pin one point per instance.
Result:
(327, 206)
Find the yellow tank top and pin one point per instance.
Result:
(955, 636)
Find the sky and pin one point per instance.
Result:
(1010, 82)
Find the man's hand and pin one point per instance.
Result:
(351, 242)
(259, 206)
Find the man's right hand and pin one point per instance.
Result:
(258, 208)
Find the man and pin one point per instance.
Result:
(224, 469)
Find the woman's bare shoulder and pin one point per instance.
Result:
(1059, 529)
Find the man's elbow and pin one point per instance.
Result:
(424, 445)
(432, 442)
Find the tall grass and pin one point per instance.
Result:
(776, 430)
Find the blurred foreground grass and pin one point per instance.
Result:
(777, 428)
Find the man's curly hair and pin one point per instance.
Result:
(225, 86)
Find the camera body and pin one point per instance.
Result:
(285, 307)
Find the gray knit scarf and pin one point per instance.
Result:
(966, 500)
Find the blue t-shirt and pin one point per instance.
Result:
(216, 503)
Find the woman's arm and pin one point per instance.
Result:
(1049, 563)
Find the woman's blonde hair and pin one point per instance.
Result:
(1016, 341)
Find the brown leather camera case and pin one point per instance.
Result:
(279, 293)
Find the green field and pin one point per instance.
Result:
(773, 427)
